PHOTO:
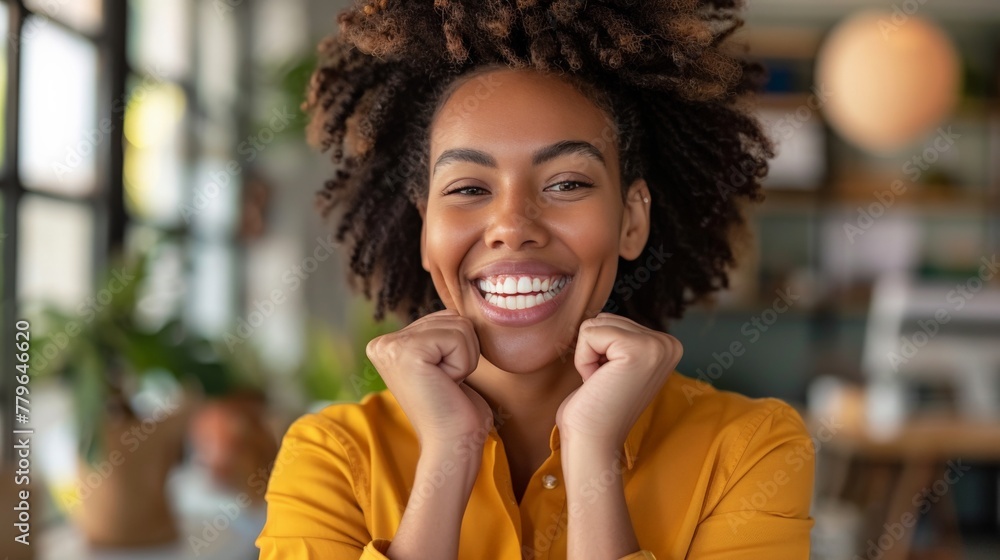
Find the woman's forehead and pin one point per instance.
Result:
(517, 110)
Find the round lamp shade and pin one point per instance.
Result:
(891, 77)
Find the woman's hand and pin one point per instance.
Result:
(623, 365)
(424, 365)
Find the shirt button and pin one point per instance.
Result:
(549, 481)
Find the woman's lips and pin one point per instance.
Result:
(524, 301)
(520, 292)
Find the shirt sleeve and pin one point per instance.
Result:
(313, 510)
(764, 509)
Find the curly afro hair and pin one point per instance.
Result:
(658, 68)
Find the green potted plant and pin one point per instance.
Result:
(336, 367)
(105, 356)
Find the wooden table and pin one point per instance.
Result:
(897, 479)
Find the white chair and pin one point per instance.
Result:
(956, 341)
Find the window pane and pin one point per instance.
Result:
(59, 133)
(800, 159)
(160, 37)
(218, 61)
(153, 152)
(162, 293)
(84, 15)
(281, 38)
(891, 244)
(54, 249)
(213, 289)
(212, 207)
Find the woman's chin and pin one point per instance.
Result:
(524, 353)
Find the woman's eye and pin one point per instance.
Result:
(566, 186)
(468, 190)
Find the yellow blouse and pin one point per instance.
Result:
(708, 475)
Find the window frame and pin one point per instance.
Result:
(106, 203)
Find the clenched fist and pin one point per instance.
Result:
(424, 366)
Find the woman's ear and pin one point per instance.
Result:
(635, 221)
(422, 208)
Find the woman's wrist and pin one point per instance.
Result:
(599, 521)
(432, 520)
(455, 464)
(586, 444)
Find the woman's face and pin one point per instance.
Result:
(524, 219)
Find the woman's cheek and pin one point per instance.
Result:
(448, 243)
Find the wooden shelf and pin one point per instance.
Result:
(782, 202)
(967, 108)
(747, 308)
(783, 101)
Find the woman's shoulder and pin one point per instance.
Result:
(376, 414)
(733, 453)
(702, 411)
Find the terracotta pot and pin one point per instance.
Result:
(122, 495)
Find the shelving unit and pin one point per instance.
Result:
(962, 189)
(939, 226)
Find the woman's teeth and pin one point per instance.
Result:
(523, 292)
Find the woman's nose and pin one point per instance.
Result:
(515, 221)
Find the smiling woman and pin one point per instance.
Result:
(503, 168)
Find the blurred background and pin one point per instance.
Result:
(185, 304)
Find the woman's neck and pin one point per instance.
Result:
(525, 406)
(527, 398)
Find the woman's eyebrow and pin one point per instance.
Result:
(542, 155)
